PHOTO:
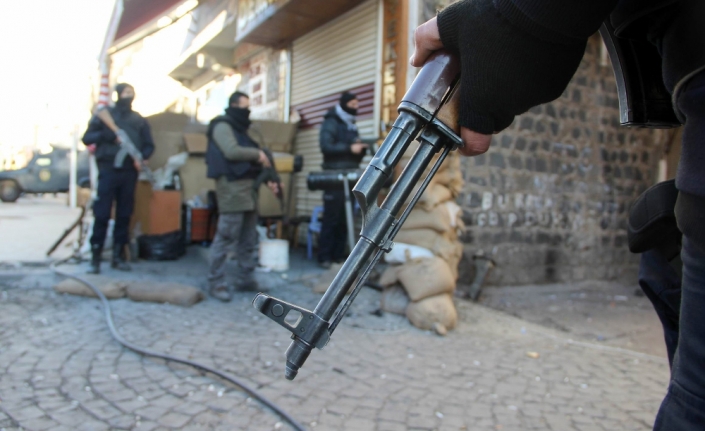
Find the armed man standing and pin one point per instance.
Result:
(116, 181)
(342, 150)
(235, 160)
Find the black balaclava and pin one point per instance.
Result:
(123, 104)
(239, 116)
(344, 99)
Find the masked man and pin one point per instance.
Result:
(342, 150)
(116, 183)
(234, 160)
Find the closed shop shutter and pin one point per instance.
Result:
(339, 56)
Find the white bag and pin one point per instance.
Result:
(401, 253)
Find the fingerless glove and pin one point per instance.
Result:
(516, 54)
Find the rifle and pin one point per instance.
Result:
(428, 113)
(268, 175)
(127, 147)
(644, 100)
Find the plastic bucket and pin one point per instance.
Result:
(274, 254)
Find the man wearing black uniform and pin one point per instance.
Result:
(342, 150)
(116, 183)
(516, 54)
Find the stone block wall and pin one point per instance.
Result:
(549, 201)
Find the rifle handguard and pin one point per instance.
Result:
(428, 113)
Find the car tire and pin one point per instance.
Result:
(9, 191)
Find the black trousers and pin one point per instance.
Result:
(683, 409)
(334, 229)
(119, 186)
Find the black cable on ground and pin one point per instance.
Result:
(143, 351)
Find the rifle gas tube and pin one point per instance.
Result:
(428, 113)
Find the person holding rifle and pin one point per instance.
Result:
(516, 54)
(237, 164)
(116, 183)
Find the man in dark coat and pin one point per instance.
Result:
(516, 54)
(116, 183)
(342, 150)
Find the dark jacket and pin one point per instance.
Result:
(219, 165)
(336, 139)
(136, 127)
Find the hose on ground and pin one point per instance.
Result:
(147, 352)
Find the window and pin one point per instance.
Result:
(43, 161)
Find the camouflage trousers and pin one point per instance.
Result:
(236, 232)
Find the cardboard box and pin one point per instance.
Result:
(156, 211)
(196, 143)
(167, 132)
(275, 135)
(283, 162)
(194, 180)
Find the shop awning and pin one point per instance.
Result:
(282, 21)
(140, 18)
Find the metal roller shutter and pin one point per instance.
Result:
(342, 55)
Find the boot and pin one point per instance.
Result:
(246, 283)
(95, 260)
(221, 292)
(119, 262)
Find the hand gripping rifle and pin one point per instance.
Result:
(126, 144)
(268, 175)
(428, 113)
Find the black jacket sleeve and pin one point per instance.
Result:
(147, 141)
(98, 133)
(516, 54)
(328, 139)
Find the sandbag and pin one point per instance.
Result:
(437, 219)
(325, 279)
(451, 173)
(394, 300)
(111, 288)
(426, 238)
(410, 152)
(170, 293)
(389, 276)
(426, 277)
(434, 195)
(402, 253)
(454, 214)
(430, 312)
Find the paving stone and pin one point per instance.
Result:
(39, 424)
(174, 420)
(478, 376)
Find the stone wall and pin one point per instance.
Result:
(549, 201)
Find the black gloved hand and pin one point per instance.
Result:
(508, 62)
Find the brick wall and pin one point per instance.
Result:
(549, 201)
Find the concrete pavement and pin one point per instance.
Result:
(30, 226)
(61, 370)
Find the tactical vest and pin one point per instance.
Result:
(219, 166)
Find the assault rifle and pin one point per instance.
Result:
(428, 113)
(268, 175)
(127, 147)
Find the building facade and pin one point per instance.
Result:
(547, 203)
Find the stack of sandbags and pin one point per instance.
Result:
(434, 224)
